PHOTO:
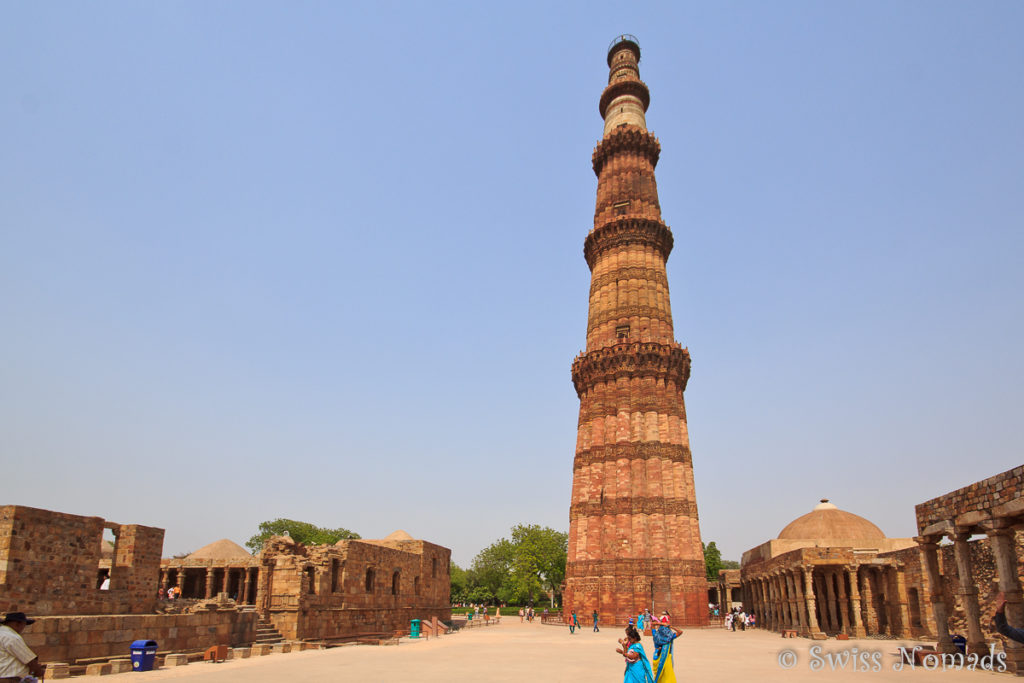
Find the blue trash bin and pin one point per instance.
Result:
(143, 655)
(414, 628)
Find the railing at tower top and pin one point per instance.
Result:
(624, 38)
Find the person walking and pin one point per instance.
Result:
(17, 661)
(522, 615)
(638, 668)
(662, 660)
(596, 629)
(574, 623)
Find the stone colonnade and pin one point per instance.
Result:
(817, 600)
(239, 582)
(1001, 537)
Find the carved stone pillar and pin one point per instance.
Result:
(870, 609)
(901, 603)
(844, 605)
(797, 602)
(812, 617)
(1005, 553)
(165, 579)
(857, 624)
(225, 582)
(209, 582)
(783, 602)
(930, 559)
(968, 592)
(244, 591)
(180, 578)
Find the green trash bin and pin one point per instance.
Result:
(414, 629)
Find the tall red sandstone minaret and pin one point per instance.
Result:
(634, 540)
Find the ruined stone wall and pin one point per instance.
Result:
(49, 563)
(325, 592)
(985, 578)
(67, 639)
(980, 497)
(915, 577)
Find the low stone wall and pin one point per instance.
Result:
(68, 639)
(329, 624)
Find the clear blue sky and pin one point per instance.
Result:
(324, 260)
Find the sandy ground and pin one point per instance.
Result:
(534, 652)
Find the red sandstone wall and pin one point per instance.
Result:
(319, 592)
(50, 561)
(66, 639)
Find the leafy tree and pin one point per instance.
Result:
(523, 568)
(460, 583)
(302, 532)
(712, 560)
(539, 559)
(730, 564)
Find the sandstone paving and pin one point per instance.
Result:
(525, 652)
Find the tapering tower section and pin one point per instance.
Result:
(634, 539)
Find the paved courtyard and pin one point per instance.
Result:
(527, 652)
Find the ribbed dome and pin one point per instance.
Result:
(826, 522)
(220, 550)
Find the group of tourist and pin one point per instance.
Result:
(659, 669)
(737, 617)
(171, 593)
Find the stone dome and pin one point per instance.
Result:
(827, 522)
(220, 550)
(399, 535)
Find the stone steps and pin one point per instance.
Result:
(267, 633)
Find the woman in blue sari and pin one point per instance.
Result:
(640, 623)
(664, 637)
(638, 669)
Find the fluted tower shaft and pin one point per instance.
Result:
(634, 538)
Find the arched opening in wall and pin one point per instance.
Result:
(310, 580)
(335, 576)
(369, 580)
(416, 586)
(396, 579)
(433, 567)
(736, 594)
(915, 607)
(108, 543)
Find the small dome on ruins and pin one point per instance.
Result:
(826, 522)
(399, 535)
(220, 550)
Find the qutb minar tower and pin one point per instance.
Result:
(634, 539)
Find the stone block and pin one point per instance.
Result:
(240, 652)
(57, 670)
(119, 666)
(98, 669)
(282, 648)
(260, 649)
(176, 660)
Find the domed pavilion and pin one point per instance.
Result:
(831, 572)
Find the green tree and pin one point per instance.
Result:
(460, 583)
(302, 532)
(730, 564)
(712, 560)
(522, 569)
(539, 559)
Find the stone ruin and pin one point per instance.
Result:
(53, 566)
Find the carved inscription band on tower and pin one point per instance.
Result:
(634, 538)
